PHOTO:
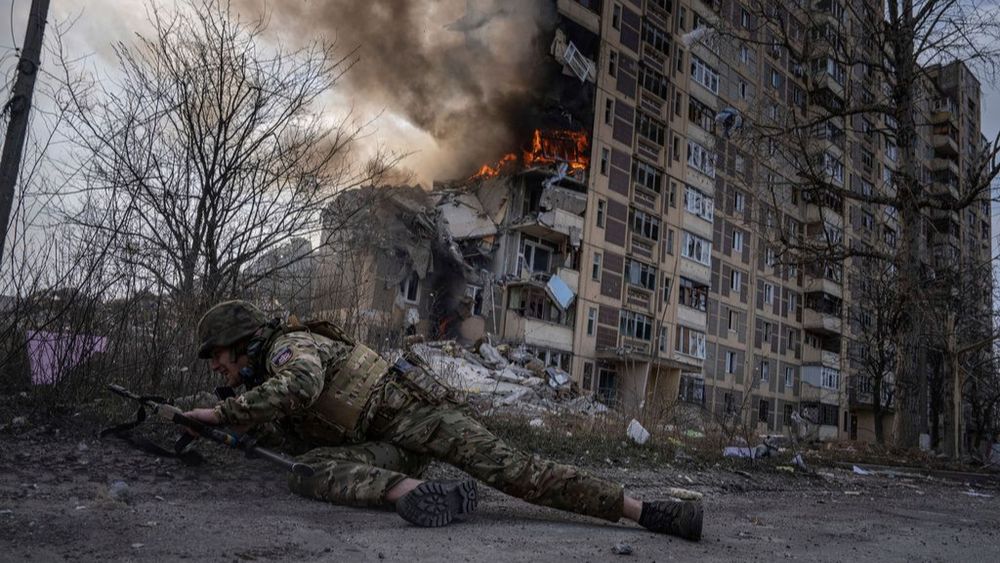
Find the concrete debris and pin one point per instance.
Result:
(493, 377)
(861, 471)
(622, 548)
(536, 423)
(560, 293)
(637, 433)
(973, 493)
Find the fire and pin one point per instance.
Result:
(547, 147)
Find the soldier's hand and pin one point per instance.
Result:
(205, 416)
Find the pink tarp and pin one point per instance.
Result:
(52, 354)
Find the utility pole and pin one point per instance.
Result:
(18, 107)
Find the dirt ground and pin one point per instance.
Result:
(55, 505)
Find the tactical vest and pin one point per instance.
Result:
(350, 382)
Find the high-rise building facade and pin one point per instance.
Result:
(682, 293)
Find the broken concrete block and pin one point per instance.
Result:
(491, 358)
(536, 423)
(556, 377)
(536, 366)
(637, 433)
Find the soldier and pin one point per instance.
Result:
(368, 428)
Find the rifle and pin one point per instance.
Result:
(173, 414)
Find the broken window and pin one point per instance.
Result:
(768, 293)
(409, 287)
(535, 303)
(704, 74)
(601, 204)
(595, 270)
(662, 345)
(646, 175)
(734, 318)
(609, 110)
(730, 405)
(645, 225)
(701, 159)
(591, 320)
(762, 410)
(653, 82)
(588, 376)
(666, 289)
(765, 371)
(616, 17)
(650, 128)
(693, 294)
(656, 38)
(692, 388)
(698, 203)
(536, 256)
(605, 157)
(789, 377)
(690, 342)
(736, 280)
(788, 415)
(730, 363)
(607, 385)
(697, 249)
(640, 274)
(737, 241)
(613, 63)
(475, 293)
(635, 325)
(701, 115)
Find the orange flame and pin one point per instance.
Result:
(547, 147)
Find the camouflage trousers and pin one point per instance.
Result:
(362, 474)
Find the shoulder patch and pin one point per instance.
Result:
(282, 356)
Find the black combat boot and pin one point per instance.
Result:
(436, 503)
(674, 517)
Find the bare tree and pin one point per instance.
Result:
(208, 149)
(853, 79)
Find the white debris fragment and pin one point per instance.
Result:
(974, 493)
(683, 494)
(861, 471)
(536, 423)
(637, 433)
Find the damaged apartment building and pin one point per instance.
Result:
(617, 241)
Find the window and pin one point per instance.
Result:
(729, 402)
(655, 37)
(768, 294)
(698, 203)
(765, 371)
(645, 225)
(834, 168)
(595, 269)
(737, 241)
(690, 342)
(736, 281)
(601, 204)
(734, 319)
(609, 111)
(692, 388)
(475, 294)
(616, 17)
(666, 289)
(670, 242)
(770, 258)
(762, 411)
(739, 201)
(701, 115)
(730, 362)
(830, 378)
(776, 79)
(591, 320)
(743, 89)
(788, 415)
(654, 82)
(744, 54)
(650, 128)
(635, 325)
(535, 255)
(741, 164)
(640, 274)
(693, 294)
(701, 159)
(697, 249)
(662, 344)
(409, 287)
(646, 175)
(605, 157)
(588, 376)
(704, 75)
(607, 385)
(789, 377)
(613, 63)
(744, 19)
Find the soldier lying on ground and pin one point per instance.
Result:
(368, 428)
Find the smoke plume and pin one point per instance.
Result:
(465, 73)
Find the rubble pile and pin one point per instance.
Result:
(505, 378)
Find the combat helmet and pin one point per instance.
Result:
(226, 324)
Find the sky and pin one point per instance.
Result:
(91, 27)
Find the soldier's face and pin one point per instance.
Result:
(224, 364)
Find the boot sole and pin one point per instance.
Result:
(434, 503)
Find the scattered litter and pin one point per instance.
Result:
(18, 421)
(82, 447)
(637, 433)
(158, 497)
(786, 468)
(733, 451)
(852, 493)
(137, 545)
(683, 494)
(861, 471)
(536, 423)
(491, 357)
(6, 511)
(81, 507)
(622, 548)
(973, 493)
(694, 434)
(799, 462)
(557, 378)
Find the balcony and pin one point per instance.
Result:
(692, 317)
(818, 321)
(645, 197)
(823, 81)
(944, 111)
(944, 165)
(586, 18)
(818, 356)
(816, 214)
(860, 394)
(944, 144)
(556, 225)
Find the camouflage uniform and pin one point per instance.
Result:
(410, 420)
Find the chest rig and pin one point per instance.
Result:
(344, 408)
